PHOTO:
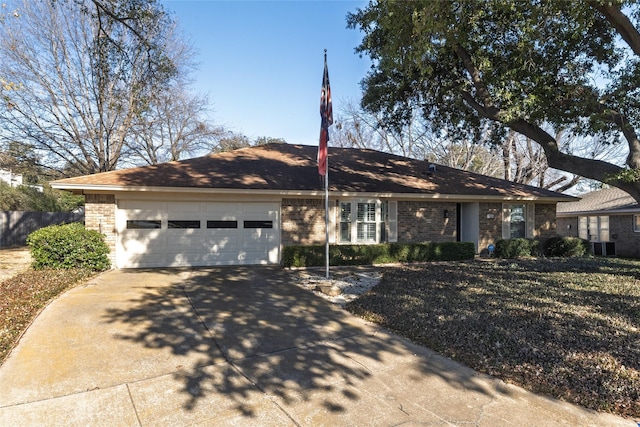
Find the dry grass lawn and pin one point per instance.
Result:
(567, 328)
(14, 261)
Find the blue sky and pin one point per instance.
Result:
(261, 62)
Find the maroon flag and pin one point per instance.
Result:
(326, 114)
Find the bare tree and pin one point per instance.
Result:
(81, 78)
(525, 161)
(357, 128)
(174, 127)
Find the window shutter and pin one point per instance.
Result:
(506, 221)
(531, 221)
(393, 221)
(333, 212)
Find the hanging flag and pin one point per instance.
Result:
(326, 114)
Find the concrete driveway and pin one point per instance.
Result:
(241, 346)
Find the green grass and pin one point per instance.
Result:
(25, 294)
(569, 328)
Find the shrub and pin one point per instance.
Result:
(308, 256)
(516, 248)
(560, 246)
(68, 246)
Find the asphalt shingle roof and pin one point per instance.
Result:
(287, 167)
(607, 199)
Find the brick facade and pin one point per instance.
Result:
(490, 225)
(545, 221)
(425, 222)
(620, 232)
(302, 222)
(100, 215)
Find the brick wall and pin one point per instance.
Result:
(302, 222)
(545, 221)
(621, 232)
(490, 225)
(100, 215)
(420, 221)
(567, 227)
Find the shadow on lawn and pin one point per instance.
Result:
(547, 325)
(251, 330)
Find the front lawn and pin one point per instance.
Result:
(564, 327)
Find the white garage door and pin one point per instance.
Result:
(173, 234)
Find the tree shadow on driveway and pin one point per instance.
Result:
(249, 330)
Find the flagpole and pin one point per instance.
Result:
(326, 219)
(326, 113)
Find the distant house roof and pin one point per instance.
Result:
(292, 169)
(607, 200)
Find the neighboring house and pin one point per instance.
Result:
(608, 218)
(242, 207)
(13, 179)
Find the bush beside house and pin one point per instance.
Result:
(557, 246)
(309, 256)
(68, 246)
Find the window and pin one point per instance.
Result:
(583, 227)
(366, 223)
(174, 223)
(345, 221)
(517, 222)
(222, 224)
(362, 221)
(636, 223)
(142, 224)
(258, 224)
(594, 228)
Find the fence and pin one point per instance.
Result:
(15, 226)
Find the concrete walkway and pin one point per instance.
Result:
(242, 346)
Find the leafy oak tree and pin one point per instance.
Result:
(472, 64)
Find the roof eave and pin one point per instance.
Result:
(634, 211)
(90, 188)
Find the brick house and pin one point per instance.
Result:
(608, 218)
(242, 207)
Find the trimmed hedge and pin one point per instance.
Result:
(68, 246)
(557, 246)
(310, 256)
(560, 246)
(516, 248)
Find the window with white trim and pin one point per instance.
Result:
(366, 222)
(636, 223)
(345, 221)
(518, 221)
(362, 221)
(594, 228)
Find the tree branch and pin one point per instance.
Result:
(620, 22)
(476, 78)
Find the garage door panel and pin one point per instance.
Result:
(152, 206)
(259, 235)
(185, 208)
(226, 242)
